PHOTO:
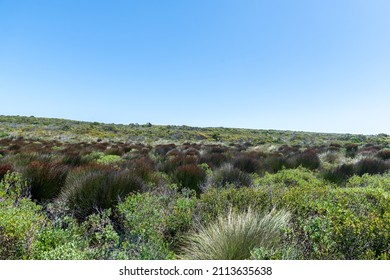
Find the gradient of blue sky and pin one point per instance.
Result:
(293, 65)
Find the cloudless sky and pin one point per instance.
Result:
(304, 65)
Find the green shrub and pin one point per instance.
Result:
(14, 186)
(373, 181)
(20, 219)
(340, 223)
(65, 241)
(18, 228)
(143, 219)
(179, 219)
(102, 237)
(109, 159)
(235, 235)
(216, 202)
(288, 178)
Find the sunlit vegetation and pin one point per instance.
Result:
(81, 190)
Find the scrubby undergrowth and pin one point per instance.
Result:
(207, 194)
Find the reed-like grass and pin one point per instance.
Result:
(233, 236)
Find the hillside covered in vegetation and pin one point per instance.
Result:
(88, 190)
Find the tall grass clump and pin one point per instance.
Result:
(90, 191)
(384, 154)
(307, 159)
(227, 176)
(46, 179)
(246, 163)
(371, 166)
(233, 236)
(189, 176)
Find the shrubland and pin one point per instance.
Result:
(78, 190)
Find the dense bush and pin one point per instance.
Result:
(112, 192)
(274, 162)
(215, 202)
(143, 220)
(62, 242)
(288, 178)
(340, 223)
(20, 219)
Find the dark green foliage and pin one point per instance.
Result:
(307, 159)
(90, 191)
(109, 192)
(4, 168)
(213, 160)
(371, 166)
(229, 176)
(274, 162)
(351, 150)
(73, 159)
(339, 174)
(46, 179)
(20, 219)
(190, 176)
(246, 163)
(384, 154)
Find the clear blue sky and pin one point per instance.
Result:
(294, 65)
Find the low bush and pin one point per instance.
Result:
(65, 241)
(20, 219)
(340, 223)
(216, 202)
(214, 160)
(109, 159)
(288, 178)
(143, 220)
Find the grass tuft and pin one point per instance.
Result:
(235, 235)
